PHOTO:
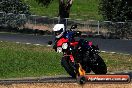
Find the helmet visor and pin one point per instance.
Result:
(58, 32)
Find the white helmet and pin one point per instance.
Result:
(59, 29)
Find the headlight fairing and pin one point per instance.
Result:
(64, 46)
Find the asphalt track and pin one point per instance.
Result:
(51, 79)
(110, 45)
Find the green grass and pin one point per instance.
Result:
(21, 60)
(81, 9)
(117, 62)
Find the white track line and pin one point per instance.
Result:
(103, 51)
(28, 43)
(113, 52)
(49, 45)
(37, 44)
(17, 42)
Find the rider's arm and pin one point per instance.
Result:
(55, 46)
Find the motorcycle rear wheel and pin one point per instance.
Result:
(67, 64)
(98, 66)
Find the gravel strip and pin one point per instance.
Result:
(66, 85)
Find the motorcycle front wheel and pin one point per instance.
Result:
(68, 66)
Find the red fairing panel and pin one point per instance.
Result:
(61, 41)
(74, 43)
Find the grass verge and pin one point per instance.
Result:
(21, 60)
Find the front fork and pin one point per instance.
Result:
(77, 67)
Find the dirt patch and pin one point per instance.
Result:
(66, 85)
(37, 26)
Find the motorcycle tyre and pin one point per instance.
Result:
(101, 68)
(65, 62)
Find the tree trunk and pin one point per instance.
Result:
(64, 10)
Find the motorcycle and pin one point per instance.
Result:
(79, 57)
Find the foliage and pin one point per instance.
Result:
(115, 10)
(14, 6)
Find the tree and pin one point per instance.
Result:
(14, 13)
(115, 10)
(64, 8)
(118, 11)
(14, 6)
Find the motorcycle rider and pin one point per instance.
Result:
(60, 31)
